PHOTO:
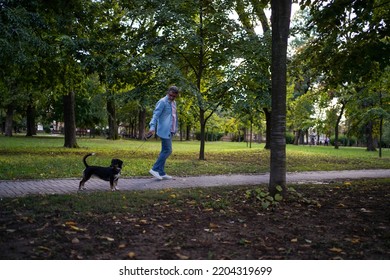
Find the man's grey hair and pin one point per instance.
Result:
(173, 89)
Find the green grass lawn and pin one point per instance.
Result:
(45, 157)
(314, 222)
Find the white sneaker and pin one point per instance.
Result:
(155, 174)
(166, 177)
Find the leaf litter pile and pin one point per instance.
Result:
(341, 220)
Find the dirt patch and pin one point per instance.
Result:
(341, 221)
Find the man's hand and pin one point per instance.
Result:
(150, 134)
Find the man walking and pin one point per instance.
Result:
(165, 118)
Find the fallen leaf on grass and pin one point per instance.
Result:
(244, 241)
(27, 219)
(131, 255)
(353, 240)
(44, 248)
(212, 225)
(110, 239)
(335, 250)
(44, 226)
(77, 228)
(72, 226)
(182, 257)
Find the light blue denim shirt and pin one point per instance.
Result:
(162, 118)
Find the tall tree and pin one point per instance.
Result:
(350, 44)
(105, 53)
(256, 55)
(66, 21)
(280, 21)
(21, 56)
(204, 39)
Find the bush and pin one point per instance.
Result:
(290, 138)
(215, 136)
(344, 141)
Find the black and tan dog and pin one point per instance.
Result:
(110, 173)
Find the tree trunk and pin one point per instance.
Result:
(380, 126)
(112, 126)
(380, 136)
(267, 114)
(202, 134)
(250, 135)
(297, 136)
(9, 120)
(188, 132)
(70, 120)
(30, 115)
(369, 138)
(336, 129)
(281, 11)
(141, 123)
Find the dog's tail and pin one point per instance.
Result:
(85, 159)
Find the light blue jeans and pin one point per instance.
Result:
(166, 151)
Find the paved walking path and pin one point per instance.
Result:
(66, 186)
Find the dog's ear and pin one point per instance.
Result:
(116, 163)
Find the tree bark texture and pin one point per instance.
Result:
(280, 20)
(141, 123)
(9, 120)
(30, 116)
(112, 125)
(70, 120)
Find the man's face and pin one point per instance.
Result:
(172, 95)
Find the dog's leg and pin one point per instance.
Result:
(112, 184)
(81, 185)
(85, 178)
